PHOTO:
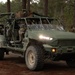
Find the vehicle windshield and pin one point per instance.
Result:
(44, 24)
(55, 24)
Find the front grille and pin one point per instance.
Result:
(66, 42)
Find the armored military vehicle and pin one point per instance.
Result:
(37, 39)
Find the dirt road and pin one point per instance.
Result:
(14, 65)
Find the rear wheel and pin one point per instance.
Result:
(34, 57)
(1, 54)
(71, 63)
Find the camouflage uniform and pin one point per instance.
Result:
(21, 31)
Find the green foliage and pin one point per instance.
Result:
(2, 7)
(16, 5)
(63, 10)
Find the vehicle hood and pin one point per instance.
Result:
(51, 33)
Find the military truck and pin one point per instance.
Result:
(42, 38)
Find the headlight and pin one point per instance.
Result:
(45, 37)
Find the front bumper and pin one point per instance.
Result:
(61, 53)
(61, 50)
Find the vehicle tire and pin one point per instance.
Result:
(1, 54)
(71, 63)
(34, 58)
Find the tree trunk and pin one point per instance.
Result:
(24, 4)
(28, 6)
(74, 15)
(8, 6)
(46, 7)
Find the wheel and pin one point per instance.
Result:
(34, 58)
(71, 63)
(1, 54)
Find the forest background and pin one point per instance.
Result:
(64, 10)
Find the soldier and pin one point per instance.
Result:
(22, 30)
(20, 14)
(44, 22)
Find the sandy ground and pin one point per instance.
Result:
(15, 65)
